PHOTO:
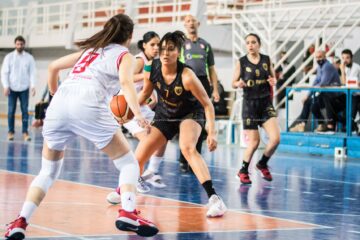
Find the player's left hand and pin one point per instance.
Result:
(211, 141)
(272, 81)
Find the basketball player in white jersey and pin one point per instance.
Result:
(149, 46)
(80, 107)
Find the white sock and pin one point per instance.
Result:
(154, 163)
(27, 210)
(128, 201)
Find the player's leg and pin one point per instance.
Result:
(272, 129)
(189, 134)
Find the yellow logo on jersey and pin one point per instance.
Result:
(250, 83)
(178, 90)
(257, 73)
(265, 66)
(248, 69)
(248, 121)
(158, 84)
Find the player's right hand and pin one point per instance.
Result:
(143, 123)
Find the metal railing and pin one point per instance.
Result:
(42, 19)
(295, 28)
(151, 12)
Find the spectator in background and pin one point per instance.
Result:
(197, 53)
(283, 77)
(351, 72)
(327, 75)
(18, 78)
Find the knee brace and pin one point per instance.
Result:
(50, 171)
(129, 169)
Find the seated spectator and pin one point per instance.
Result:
(326, 76)
(351, 72)
(283, 77)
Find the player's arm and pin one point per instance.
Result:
(126, 76)
(193, 84)
(237, 82)
(148, 86)
(56, 66)
(138, 71)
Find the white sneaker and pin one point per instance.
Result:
(156, 181)
(216, 207)
(141, 186)
(114, 197)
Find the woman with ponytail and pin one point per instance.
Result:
(182, 109)
(80, 107)
(149, 50)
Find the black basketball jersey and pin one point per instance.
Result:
(174, 102)
(255, 76)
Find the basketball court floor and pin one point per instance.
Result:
(311, 197)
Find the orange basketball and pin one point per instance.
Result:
(121, 109)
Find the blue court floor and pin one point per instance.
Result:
(308, 189)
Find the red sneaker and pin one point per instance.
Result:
(264, 172)
(16, 229)
(131, 221)
(244, 178)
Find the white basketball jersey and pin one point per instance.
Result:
(140, 84)
(101, 68)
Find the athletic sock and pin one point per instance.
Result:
(128, 201)
(208, 186)
(27, 210)
(245, 167)
(263, 161)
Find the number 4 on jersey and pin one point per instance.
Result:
(85, 62)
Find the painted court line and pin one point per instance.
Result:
(243, 212)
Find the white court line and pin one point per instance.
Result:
(329, 196)
(354, 232)
(352, 199)
(218, 167)
(243, 212)
(174, 233)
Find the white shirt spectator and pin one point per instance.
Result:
(353, 72)
(18, 71)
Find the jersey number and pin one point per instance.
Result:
(84, 63)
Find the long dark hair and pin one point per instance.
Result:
(177, 37)
(117, 29)
(146, 38)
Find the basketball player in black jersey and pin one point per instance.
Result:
(255, 74)
(182, 104)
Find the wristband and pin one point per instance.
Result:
(147, 68)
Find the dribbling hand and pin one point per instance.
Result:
(143, 123)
